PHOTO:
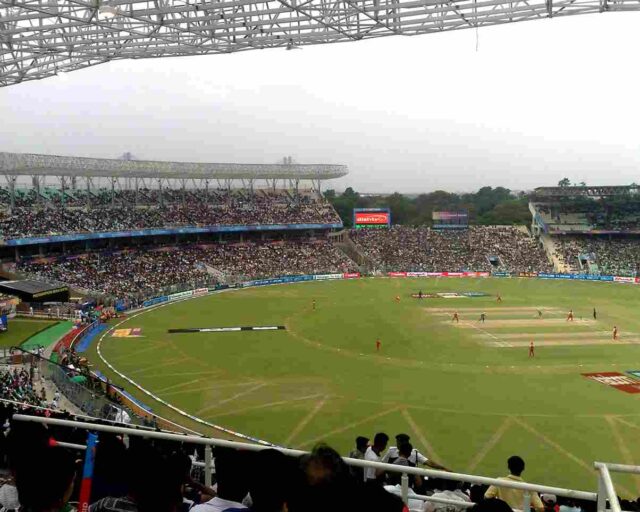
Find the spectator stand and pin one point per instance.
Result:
(162, 271)
(605, 485)
(36, 222)
(478, 248)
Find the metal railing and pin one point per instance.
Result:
(606, 489)
(405, 471)
(86, 399)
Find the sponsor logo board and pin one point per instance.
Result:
(127, 333)
(180, 295)
(324, 277)
(615, 380)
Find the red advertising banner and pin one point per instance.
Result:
(439, 274)
(619, 279)
(615, 380)
(374, 218)
(352, 275)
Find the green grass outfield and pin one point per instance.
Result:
(463, 393)
(21, 329)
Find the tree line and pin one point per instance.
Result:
(486, 206)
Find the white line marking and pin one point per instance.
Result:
(305, 421)
(232, 398)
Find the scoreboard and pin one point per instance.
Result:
(371, 218)
(450, 220)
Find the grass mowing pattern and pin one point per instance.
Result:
(47, 336)
(22, 329)
(468, 403)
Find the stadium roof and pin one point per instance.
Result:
(29, 286)
(41, 38)
(16, 164)
(596, 191)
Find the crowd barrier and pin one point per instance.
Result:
(247, 284)
(191, 230)
(605, 485)
(438, 274)
(538, 275)
(572, 277)
(82, 396)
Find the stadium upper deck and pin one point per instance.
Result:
(586, 210)
(148, 198)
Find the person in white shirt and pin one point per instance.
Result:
(450, 491)
(374, 454)
(416, 458)
(413, 504)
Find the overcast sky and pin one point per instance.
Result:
(538, 101)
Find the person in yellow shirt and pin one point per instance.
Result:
(514, 497)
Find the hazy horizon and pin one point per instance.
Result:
(538, 102)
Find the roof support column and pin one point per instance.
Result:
(160, 192)
(63, 183)
(11, 181)
(135, 199)
(35, 180)
(88, 183)
(113, 191)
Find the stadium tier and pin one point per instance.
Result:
(141, 273)
(478, 248)
(593, 210)
(589, 230)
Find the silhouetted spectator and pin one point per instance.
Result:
(232, 481)
(45, 482)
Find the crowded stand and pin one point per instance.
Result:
(17, 385)
(607, 256)
(30, 218)
(478, 248)
(141, 273)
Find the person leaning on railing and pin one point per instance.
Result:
(514, 497)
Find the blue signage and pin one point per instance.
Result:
(167, 231)
(576, 277)
(277, 280)
(154, 301)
